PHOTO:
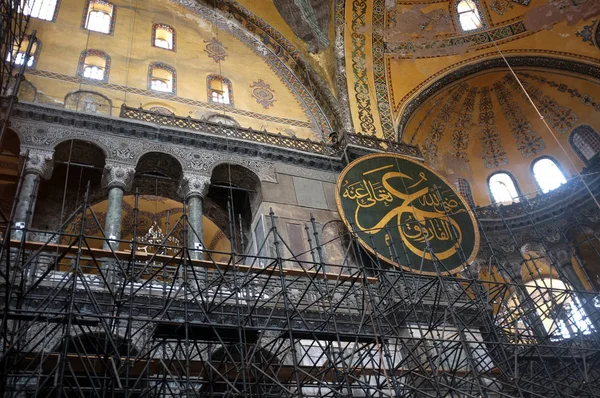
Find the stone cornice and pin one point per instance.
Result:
(46, 116)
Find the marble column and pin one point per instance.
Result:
(38, 164)
(117, 178)
(194, 188)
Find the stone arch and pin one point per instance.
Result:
(89, 102)
(76, 162)
(495, 62)
(158, 173)
(98, 144)
(226, 120)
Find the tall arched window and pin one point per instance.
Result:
(585, 142)
(464, 188)
(41, 9)
(503, 188)
(220, 90)
(99, 16)
(162, 77)
(94, 65)
(163, 36)
(560, 310)
(468, 15)
(547, 174)
(18, 52)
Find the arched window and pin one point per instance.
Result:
(18, 52)
(162, 77)
(503, 188)
(94, 65)
(560, 311)
(468, 15)
(464, 188)
(547, 174)
(585, 142)
(41, 9)
(99, 16)
(163, 36)
(220, 90)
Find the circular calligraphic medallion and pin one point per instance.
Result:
(407, 214)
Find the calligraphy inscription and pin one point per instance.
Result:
(407, 214)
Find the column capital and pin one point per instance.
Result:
(118, 175)
(194, 185)
(38, 161)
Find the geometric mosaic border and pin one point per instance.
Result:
(171, 97)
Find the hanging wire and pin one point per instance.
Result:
(478, 22)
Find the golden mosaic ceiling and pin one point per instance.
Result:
(486, 123)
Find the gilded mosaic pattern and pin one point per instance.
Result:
(379, 76)
(529, 141)
(560, 118)
(436, 132)
(215, 50)
(300, 75)
(464, 123)
(280, 55)
(493, 153)
(359, 69)
(587, 33)
(584, 98)
(456, 45)
(341, 76)
(263, 93)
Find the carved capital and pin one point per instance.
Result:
(38, 161)
(194, 185)
(118, 175)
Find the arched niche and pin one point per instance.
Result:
(241, 188)
(157, 218)
(225, 120)
(76, 163)
(27, 91)
(158, 174)
(88, 102)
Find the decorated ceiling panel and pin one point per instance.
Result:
(395, 49)
(486, 123)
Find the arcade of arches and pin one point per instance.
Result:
(219, 112)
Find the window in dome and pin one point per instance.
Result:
(161, 77)
(94, 65)
(18, 53)
(99, 16)
(40, 9)
(464, 188)
(547, 174)
(220, 90)
(503, 188)
(585, 142)
(468, 15)
(560, 311)
(163, 36)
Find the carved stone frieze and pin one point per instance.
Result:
(118, 175)
(38, 161)
(194, 185)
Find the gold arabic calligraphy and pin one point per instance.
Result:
(418, 228)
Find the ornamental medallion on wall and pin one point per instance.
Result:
(407, 215)
(263, 93)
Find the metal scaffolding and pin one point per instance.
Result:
(331, 322)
